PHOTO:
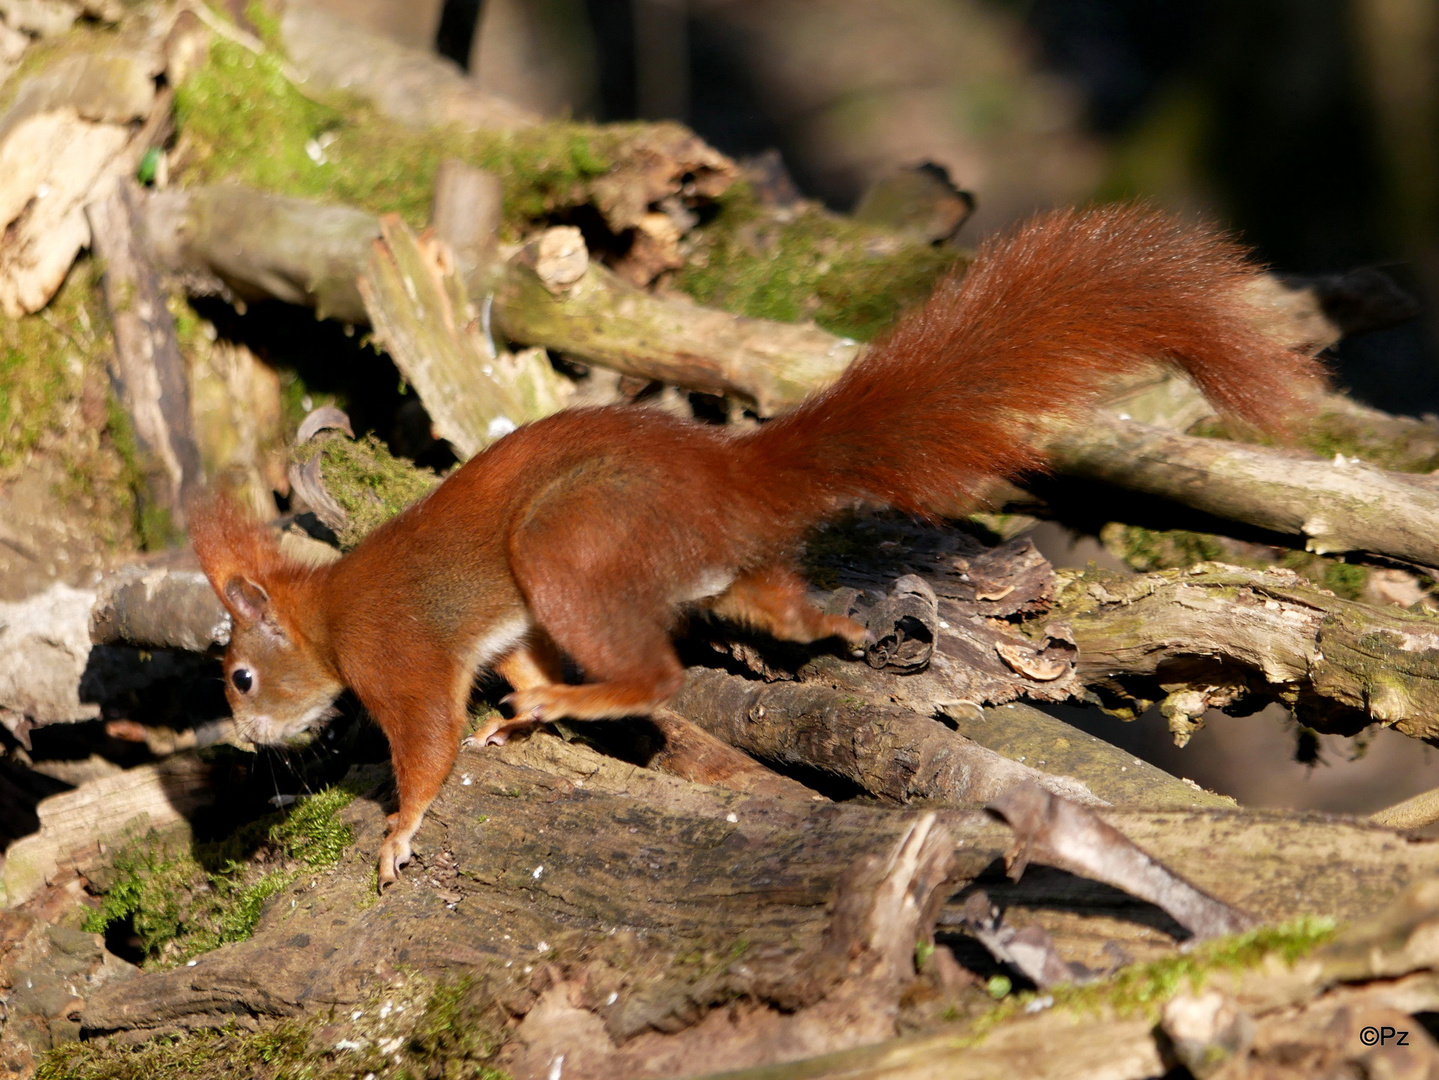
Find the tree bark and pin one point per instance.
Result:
(149, 373)
(1336, 506)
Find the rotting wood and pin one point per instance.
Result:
(148, 371)
(67, 129)
(258, 245)
(537, 850)
(420, 311)
(691, 753)
(1212, 635)
(827, 902)
(1275, 1022)
(44, 648)
(77, 826)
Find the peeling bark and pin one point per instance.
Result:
(1211, 635)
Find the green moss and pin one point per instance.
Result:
(311, 832)
(1150, 549)
(185, 902)
(1406, 447)
(44, 363)
(265, 22)
(1142, 989)
(1147, 550)
(851, 279)
(244, 122)
(369, 482)
(152, 524)
(1398, 443)
(279, 1052)
(458, 1033)
(1344, 580)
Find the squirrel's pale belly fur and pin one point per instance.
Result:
(583, 535)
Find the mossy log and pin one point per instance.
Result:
(260, 245)
(1222, 636)
(641, 925)
(602, 319)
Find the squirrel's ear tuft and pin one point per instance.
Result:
(238, 554)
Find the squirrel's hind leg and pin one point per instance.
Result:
(619, 639)
(775, 599)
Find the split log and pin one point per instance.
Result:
(417, 304)
(68, 128)
(147, 370)
(79, 827)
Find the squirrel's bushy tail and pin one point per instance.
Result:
(1039, 325)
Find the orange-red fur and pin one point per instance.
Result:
(591, 530)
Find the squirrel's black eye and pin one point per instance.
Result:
(242, 679)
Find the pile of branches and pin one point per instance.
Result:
(806, 858)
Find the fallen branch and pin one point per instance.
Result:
(259, 245)
(1337, 506)
(414, 86)
(1066, 836)
(599, 318)
(886, 751)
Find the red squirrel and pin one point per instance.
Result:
(591, 531)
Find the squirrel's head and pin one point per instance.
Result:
(277, 684)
